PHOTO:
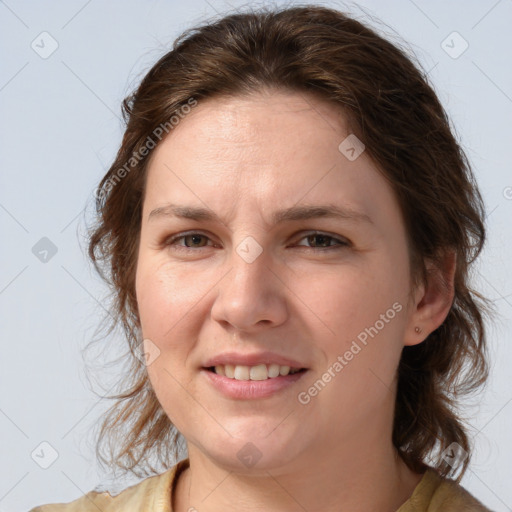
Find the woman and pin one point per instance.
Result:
(288, 227)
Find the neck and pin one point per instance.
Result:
(366, 478)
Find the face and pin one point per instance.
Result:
(252, 285)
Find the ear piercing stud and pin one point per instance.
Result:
(417, 329)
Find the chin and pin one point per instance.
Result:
(255, 445)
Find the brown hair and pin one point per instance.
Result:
(391, 107)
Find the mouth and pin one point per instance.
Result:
(256, 373)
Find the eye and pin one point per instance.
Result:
(324, 240)
(191, 240)
(195, 240)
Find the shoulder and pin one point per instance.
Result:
(437, 494)
(449, 495)
(153, 494)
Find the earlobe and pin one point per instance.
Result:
(433, 300)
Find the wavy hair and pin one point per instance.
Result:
(391, 107)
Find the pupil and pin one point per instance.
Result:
(323, 239)
(195, 238)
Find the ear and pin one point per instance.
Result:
(432, 300)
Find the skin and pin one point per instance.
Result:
(243, 158)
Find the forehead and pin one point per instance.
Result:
(257, 117)
(264, 150)
(259, 128)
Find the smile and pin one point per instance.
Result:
(257, 372)
(240, 388)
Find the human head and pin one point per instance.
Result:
(389, 105)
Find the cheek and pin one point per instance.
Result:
(351, 298)
(364, 310)
(165, 295)
(166, 300)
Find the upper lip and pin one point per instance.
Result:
(252, 359)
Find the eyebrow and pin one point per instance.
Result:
(294, 213)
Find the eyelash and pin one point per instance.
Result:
(341, 243)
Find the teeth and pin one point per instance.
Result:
(258, 372)
(273, 370)
(241, 372)
(229, 371)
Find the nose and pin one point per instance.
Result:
(252, 296)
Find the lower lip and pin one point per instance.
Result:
(251, 389)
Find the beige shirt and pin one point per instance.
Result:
(432, 494)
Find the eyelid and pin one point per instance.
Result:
(342, 242)
(169, 240)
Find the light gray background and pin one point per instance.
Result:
(60, 129)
